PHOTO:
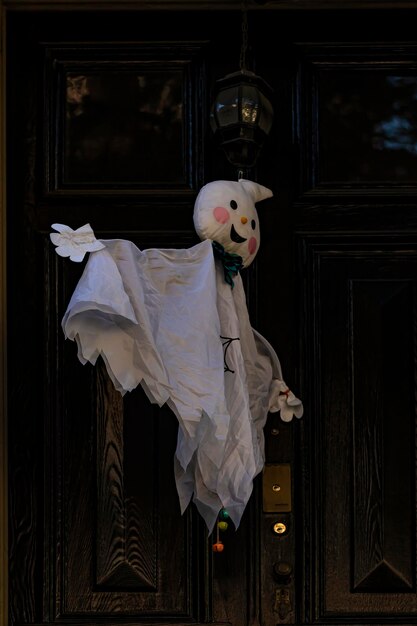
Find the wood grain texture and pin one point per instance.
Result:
(25, 374)
(96, 532)
(364, 323)
(126, 547)
(383, 424)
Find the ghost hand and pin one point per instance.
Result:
(282, 399)
(74, 243)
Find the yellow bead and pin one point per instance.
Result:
(222, 525)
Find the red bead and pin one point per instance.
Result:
(218, 546)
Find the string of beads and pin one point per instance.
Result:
(221, 526)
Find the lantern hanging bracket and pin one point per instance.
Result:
(244, 46)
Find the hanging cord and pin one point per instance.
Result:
(243, 50)
(244, 46)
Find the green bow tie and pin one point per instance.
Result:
(232, 263)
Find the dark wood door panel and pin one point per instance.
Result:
(365, 426)
(96, 534)
(120, 117)
(119, 545)
(118, 535)
(95, 526)
(360, 125)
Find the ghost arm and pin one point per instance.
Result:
(281, 398)
(100, 318)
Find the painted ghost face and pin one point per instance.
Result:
(225, 212)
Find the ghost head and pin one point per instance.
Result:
(225, 212)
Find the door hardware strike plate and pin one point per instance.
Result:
(276, 488)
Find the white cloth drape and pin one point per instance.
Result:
(166, 319)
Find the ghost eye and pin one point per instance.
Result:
(253, 224)
(233, 205)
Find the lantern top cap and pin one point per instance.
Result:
(244, 76)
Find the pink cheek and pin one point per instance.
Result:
(221, 214)
(252, 245)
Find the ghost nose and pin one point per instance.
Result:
(243, 220)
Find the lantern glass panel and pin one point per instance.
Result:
(266, 118)
(249, 105)
(226, 109)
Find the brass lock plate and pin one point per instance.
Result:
(276, 488)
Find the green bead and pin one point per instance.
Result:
(224, 515)
(222, 525)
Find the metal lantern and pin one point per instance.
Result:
(241, 116)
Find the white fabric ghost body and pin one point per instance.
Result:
(166, 319)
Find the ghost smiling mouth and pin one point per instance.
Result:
(234, 236)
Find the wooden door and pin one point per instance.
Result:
(95, 531)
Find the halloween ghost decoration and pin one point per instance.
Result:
(225, 212)
(176, 322)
